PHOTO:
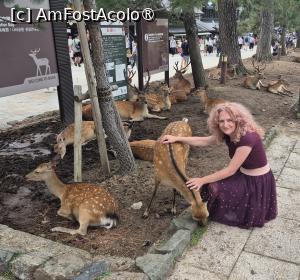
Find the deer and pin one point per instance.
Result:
(170, 162)
(157, 101)
(208, 103)
(215, 73)
(88, 133)
(296, 59)
(254, 81)
(88, 203)
(132, 93)
(143, 149)
(180, 84)
(40, 62)
(279, 87)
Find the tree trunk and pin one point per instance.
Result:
(282, 40)
(228, 34)
(298, 39)
(263, 52)
(192, 37)
(111, 120)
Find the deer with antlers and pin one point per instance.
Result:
(89, 204)
(181, 87)
(254, 81)
(170, 161)
(157, 100)
(40, 62)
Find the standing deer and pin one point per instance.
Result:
(170, 161)
(66, 137)
(89, 204)
(254, 81)
(40, 62)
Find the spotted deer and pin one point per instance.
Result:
(254, 81)
(143, 149)
(170, 162)
(89, 204)
(88, 133)
(208, 103)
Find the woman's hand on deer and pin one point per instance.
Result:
(195, 183)
(168, 139)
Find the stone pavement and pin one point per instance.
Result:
(268, 253)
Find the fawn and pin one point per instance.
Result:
(208, 103)
(170, 161)
(89, 204)
(143, 149)
(66, 137)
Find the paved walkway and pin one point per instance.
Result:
(21, 106)
(268, 253)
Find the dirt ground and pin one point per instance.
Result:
(29, 207)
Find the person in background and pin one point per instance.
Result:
(243, 193)
(77, 51)
(173, 46)
(185, 53)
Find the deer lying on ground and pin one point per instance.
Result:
(143, 149)
(208, 103)
(180, 83)
(215, 74)
(170, 161)
(157, 100)
(89, 204)
(132, 94)
(279, 87)
(66, 137)
(254, 81)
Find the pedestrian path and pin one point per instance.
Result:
(268, 253)
(20, 106)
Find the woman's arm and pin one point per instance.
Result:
(236, 162)
(193, 141)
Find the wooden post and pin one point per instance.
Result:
(223, 69)
(77, 135)
(92, 88)
(279, 52)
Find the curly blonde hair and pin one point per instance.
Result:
(240, 115)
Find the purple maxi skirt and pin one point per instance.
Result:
(242, 200)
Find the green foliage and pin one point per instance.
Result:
(103, 276)
(117, 5)
(197, 234)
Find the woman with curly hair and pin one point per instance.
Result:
(243, 193)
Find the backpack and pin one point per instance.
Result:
(75, 46)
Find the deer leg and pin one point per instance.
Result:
(173, 210)
(151, 116)
(146, 213)
(290, 93)
(66, 213)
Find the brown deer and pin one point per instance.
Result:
(66, 137)
(89, 204)
(170, 161)
(132, 93)
(215, 73)
(296, 59)
(208, 103)
(279, 87)
(180, 83)
(143, 149)
(157, 101)
(254, 81)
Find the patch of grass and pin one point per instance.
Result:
(106, 274)
(7, 275)
(196, 235)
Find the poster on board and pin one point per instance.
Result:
(28, 60)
